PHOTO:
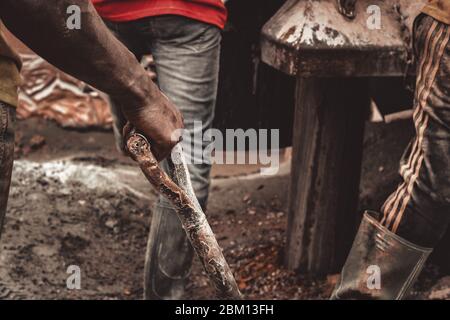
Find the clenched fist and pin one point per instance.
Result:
(155, 117)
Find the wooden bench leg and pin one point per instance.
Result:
(326, 168)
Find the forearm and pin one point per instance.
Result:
(91, 54)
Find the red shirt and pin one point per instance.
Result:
(208, 11)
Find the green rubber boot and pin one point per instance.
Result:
(381, 265)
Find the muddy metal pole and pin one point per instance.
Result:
(178, 190)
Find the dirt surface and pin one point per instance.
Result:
(75, 201)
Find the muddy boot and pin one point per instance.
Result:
(381, 265)
(169, 256)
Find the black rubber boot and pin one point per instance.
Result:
(381, 265)
(169, 257)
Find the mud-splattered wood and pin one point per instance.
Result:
(178, 191)
(311, 38)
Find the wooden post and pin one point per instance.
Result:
(326, 166)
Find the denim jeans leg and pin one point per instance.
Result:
(186, 54)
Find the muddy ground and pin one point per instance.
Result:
(75, 201)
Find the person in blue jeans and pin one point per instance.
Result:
(186, 55)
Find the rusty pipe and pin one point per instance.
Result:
(178, 190)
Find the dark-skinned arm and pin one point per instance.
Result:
(93, 55)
